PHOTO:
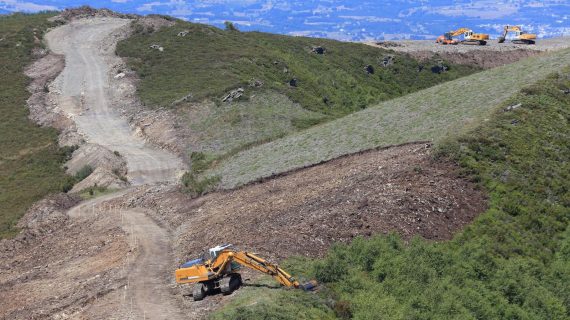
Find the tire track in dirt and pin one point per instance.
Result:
(147, 294)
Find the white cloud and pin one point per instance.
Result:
(23, 6)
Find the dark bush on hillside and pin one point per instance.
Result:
(83, 173)
(230, 26)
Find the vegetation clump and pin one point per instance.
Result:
(31, 163)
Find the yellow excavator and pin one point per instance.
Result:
(521, 37)
(469, 37)
(220, 272)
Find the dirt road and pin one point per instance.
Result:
(146, 295)
(86, 89)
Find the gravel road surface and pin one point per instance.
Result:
(85, 94)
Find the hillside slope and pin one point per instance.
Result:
(30, 159)
(186, 70)
(207, 62)
(512, 262)
(430, 114)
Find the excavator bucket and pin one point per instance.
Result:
(309, 286)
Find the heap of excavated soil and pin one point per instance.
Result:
(57, 265)
(399, 189)
(492, 55)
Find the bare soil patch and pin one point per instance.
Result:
(489, 56)
(57, 265)
(399, 189)
(106, 259)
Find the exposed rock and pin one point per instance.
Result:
(186, 98)
(256, 83)
(183, 33)
(369, 69)
(153, 22)
(156, 47)
(388, 44)
(87, 12)
(42, 103)
(48, 211)
(387, 61)
(233, 95)
(293, 82)
(318, 50)
(119, 75)
(513, 107)
(440, 67)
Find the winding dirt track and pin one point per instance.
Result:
(147, 294)
(85, 93)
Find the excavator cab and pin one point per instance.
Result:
(216, 250)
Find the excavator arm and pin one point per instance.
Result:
(521, 37)
(249, 260)
(221, 272)
(254, 262)
(459, 32)
(223, 262)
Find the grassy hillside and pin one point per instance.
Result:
(208, 62)
(430, 114)
(30, 160)
(513, 262)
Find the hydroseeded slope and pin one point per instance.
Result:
(430, 114)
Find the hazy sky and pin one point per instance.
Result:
(350, 19)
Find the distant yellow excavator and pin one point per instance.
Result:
(220, 272)
(469, 37)
(521, 37)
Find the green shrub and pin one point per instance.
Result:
(198, 186)
(31, 163)
(230, 26)
(83, 173)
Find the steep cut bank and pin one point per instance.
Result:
(86, 90)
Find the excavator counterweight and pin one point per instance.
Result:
(221, 271)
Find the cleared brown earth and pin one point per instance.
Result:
(82, 264)
(399, 189)
(492, 55)
(58, 265)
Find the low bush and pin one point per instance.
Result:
(83, 173)
(31, 163)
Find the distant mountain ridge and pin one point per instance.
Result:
(344, 20)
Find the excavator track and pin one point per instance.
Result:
(523, 41)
